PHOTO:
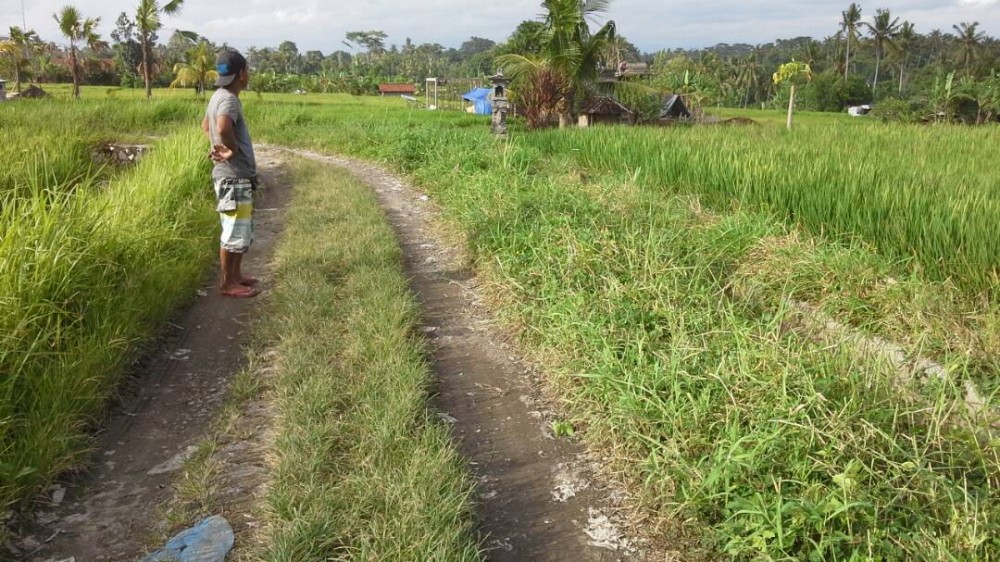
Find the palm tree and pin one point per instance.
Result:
(809, 52)
(748, 75)
(936, 41)
(147, 20)
(904, 42)
(969, 39)
(570, 54)
(76, 28)
(199, 70)
(883, 32)
(18, 47)
(850, 19)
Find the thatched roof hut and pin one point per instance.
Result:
(604, 109)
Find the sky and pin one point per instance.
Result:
(651, 25)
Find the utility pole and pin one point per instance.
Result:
(24, 47)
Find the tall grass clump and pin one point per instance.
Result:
(90, 269)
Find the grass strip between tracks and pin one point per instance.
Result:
(362, 470)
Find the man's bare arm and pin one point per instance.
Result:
(228, 148)
(224, 125)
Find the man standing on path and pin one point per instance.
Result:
(235, 172)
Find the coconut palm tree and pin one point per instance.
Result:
(809, 52)
(199, 70)
(905, 40)
(18, 47)
(969, 40)
(570, 55)
(883, 31)
(936, 42)
(850, 20)
(147, 20)
(76, 28)
(748, 75)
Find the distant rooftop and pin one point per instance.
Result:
(397, 88)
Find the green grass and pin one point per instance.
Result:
(667, 325)
(363, 471)
(653, 273)
(914, 192)
(784, 447)
(94, 261)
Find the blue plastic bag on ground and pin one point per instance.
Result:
(208, 541)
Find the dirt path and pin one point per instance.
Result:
(110, 514)
(538, 496)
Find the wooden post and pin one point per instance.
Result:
(791, 105)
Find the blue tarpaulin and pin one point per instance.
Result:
(480, 98)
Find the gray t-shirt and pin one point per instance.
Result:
(242, 164)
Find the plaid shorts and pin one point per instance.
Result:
(235, 207)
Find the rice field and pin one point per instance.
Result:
(919, 193)
(658, 274)
(655, 274)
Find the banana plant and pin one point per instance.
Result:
(795, 74)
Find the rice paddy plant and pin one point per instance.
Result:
(912, 192)
(915, 193)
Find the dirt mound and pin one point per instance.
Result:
(739, 121)
(31, 92)
(120, 154)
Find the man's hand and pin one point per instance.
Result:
(220, 153)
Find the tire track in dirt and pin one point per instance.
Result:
(538, 497)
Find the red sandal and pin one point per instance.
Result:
(240, 292)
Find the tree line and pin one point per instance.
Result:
(878, 60)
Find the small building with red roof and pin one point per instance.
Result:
(396, 89)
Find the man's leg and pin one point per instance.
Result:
(231, 284)
(226, 261)
(237, 261)
(237, 234)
